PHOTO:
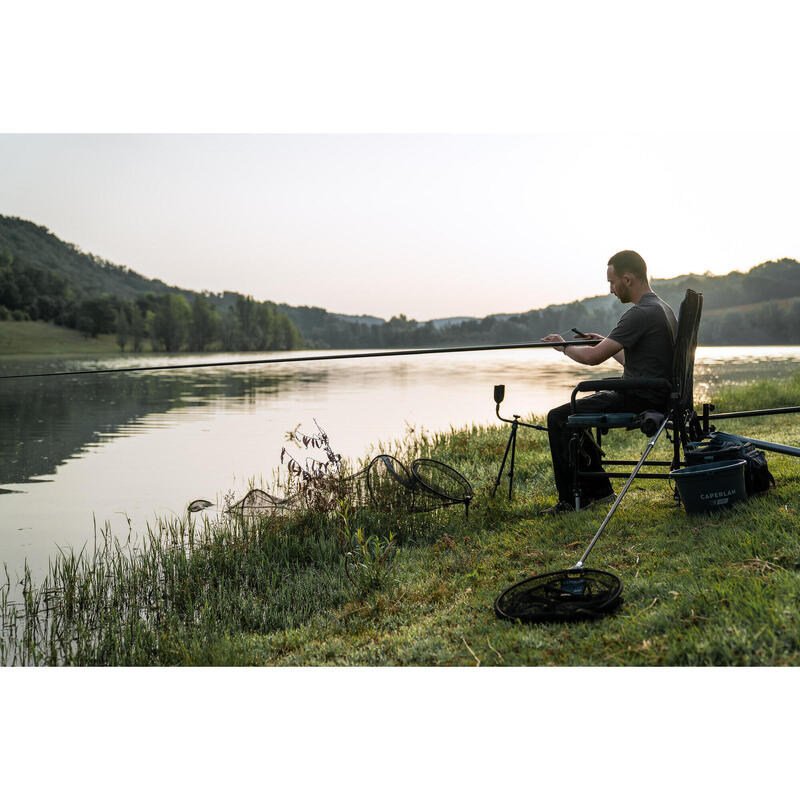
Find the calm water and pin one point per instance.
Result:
(114, 448)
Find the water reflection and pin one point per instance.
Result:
(47, 421)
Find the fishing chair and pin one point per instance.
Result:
(682, 418)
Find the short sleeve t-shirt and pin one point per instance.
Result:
(647, 334)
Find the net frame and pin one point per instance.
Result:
(421, 469)
(257, 503)
(413, 493)
(561, 596)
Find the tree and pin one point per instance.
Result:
(123, 328)
(171, 322)
(138, 327)
(230, 331)
(206, 324)
(96, 315)
(287, 336)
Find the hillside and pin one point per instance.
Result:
(37, 249)
(43, 278)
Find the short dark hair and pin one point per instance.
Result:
(629, 261)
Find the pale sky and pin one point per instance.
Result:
(477, 163)
(425, 225)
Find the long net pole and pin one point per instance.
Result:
(650, 445)
(296, 359)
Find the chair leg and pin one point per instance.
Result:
(677, 442)
(575, 463)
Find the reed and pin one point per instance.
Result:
(186, 583)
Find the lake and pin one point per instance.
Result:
(123, 449)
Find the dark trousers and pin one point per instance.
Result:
(559, 434)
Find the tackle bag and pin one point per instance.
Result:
(722, 447)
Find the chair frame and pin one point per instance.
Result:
(682, 417)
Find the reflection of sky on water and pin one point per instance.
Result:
(137, 445)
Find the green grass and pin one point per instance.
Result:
(758, 394)
(26, 339)
(698, 590)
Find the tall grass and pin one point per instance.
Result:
(758, 394)
(182, 587)
(167, 597)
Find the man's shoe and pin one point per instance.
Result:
(561, 507)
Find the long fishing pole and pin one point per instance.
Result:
(249, 362)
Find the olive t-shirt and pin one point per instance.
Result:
(647, 334)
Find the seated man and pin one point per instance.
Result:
(643, 342)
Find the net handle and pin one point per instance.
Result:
(650, 445)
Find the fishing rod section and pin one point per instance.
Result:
(297, 359)
(759, 412)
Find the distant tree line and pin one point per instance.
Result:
(43, 278)
(761, 314)
(168, 321)
(773, 322)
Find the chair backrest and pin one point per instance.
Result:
(685, 345)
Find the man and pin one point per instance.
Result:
(643, 342)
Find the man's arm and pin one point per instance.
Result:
(602, 351)
(619, 357)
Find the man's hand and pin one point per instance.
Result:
(597, 336)
(554, 337)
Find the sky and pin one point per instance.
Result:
(496, 174)
(416, 224)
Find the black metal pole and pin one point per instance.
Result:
(774, 447)
(511, 466)
(763, 412)
(512, 438)
(295, 359)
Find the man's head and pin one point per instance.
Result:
(627, 276)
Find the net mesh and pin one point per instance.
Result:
(387, 484)
(257, 503)
(390, 484)
(568, 595)
(322, 493)
(442, 480)
(428, 486)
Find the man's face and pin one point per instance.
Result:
(619, 286)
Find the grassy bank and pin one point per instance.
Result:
(721, 590)
(27, 339)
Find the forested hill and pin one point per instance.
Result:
(42, 277)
